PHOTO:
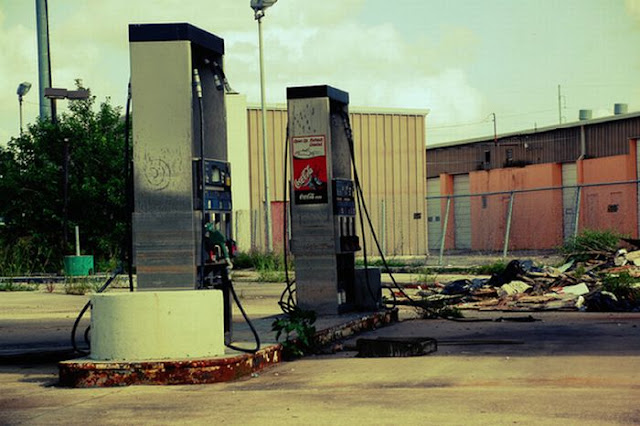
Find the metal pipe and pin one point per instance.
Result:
(577, 210)
(444, 230)
(77, 240)
(383, 227)
(548, 188)
(265, 165)
(20, 102)
(508, 228)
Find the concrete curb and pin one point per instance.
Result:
(87, 373)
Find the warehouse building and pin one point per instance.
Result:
(391, 161)
(534, 189)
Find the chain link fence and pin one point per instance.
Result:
(529, 219)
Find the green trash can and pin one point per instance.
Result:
(78, 266)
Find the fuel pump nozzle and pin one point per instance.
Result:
(219, 78)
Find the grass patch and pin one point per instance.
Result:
(80, 285)
(497, 267)
(426, 277)
(379, 263)
(270, 266)
(11, 286)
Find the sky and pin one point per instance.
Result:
(463, 60)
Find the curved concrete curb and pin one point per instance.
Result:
(87, 373)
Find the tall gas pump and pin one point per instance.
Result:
(323, 225)
(182, 180)
(182, 211)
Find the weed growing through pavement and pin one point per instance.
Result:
(298, 327)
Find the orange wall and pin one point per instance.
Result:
(537, 216)
(612, 207)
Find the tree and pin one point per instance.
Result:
(32, 170)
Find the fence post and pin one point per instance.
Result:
(577, 210)
(444, 231)
(507, 231)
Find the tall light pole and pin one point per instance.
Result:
(54, 94)
(23, 89)
(259, 6)
(44, 56)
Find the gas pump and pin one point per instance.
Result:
(323, 225)
(182, 180)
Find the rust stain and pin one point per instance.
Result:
(86, 374)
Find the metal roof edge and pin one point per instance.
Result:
(357, 109)
(534, 131)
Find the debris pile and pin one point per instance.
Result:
(594, 281)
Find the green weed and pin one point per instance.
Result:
(579, 271)
(298, 323)
(621, 286)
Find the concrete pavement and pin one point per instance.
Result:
(568, 368)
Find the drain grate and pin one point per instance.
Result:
(395, 347)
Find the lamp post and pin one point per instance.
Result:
(23, 89)
(54, 94)
(259, 6)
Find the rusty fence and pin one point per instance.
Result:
(529, 219)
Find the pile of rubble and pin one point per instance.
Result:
(600, 282)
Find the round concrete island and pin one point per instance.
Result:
(157, 325)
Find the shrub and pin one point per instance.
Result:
(589, 241)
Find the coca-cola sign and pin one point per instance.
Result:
(309, 169)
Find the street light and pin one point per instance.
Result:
(259, 7)
(23, 89)
(54, 94)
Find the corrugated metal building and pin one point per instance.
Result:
(391, 161)
(478, 173)
(555, 144)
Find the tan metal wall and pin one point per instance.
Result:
(391, 160)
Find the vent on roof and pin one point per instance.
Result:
(620, 109)
(585, 114)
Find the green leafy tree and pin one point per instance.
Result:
(87, 142)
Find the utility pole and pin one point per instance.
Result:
(495, 130)
(559, 105)
(44, 57)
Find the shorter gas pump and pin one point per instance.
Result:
(323, 208)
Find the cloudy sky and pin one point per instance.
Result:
(462, 59)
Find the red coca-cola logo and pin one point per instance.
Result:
(305, 177)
